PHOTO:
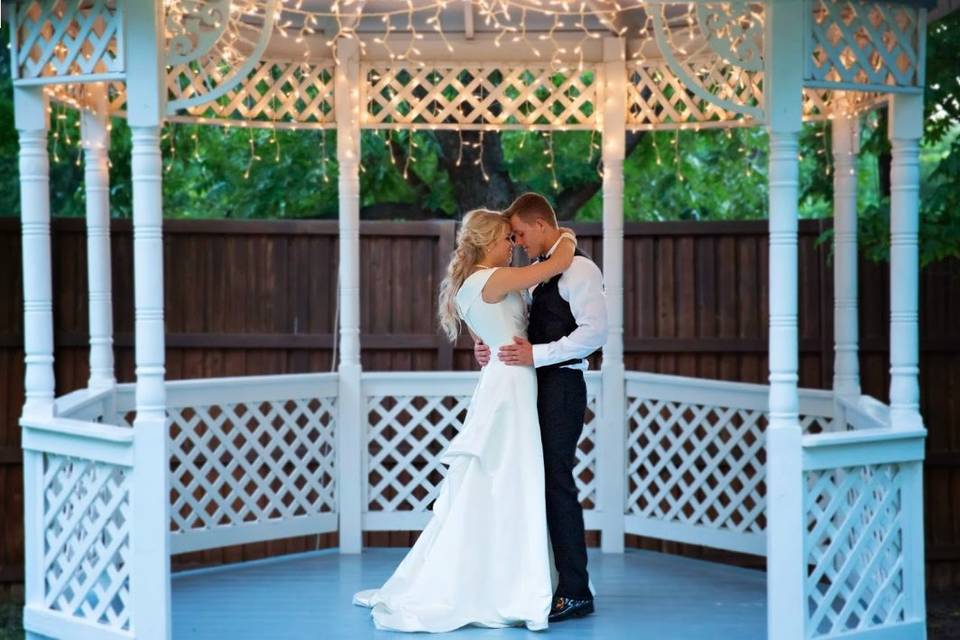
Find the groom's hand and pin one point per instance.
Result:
(481, 352)
(519, 353)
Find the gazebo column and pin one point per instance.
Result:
(846, 147)
(351, 424)
(611, 436)
(786, 567)
(95, 140)
(32, 124)
(150, 571)
(905, 130)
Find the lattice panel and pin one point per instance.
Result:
(274, 92)
(811, 424)
(853, 547)
(56, 38)
(408, 434)
(696, 464)
(86, 540)
(585, 468)
(711, 64)
(475, 96)
(251, 462)
(213, 47)
(657, 97)
(865, 43)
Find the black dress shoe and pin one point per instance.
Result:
(568, 608)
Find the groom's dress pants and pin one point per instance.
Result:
(561, 402)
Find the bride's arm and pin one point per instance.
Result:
(507, 279)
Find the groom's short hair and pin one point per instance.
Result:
(532, 206)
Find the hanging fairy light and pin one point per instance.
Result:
(323, 156)
(551, 159)
(676, 154)
(253, 154)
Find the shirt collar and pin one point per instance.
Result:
(554, 247)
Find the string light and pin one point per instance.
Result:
(676, 154)
(253, 155)
(195, 137)
(551, 160)
(508, 19)
(323, 157)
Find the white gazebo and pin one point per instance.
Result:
(117, 477)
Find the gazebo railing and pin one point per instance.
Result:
(696, 462)
(411, 418)
(863, 539)
(78, 492)
(251, 458)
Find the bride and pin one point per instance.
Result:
(483, 558)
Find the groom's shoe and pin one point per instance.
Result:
(568, 608)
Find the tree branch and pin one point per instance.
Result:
(571, 200)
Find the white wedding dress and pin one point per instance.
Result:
(483, 558)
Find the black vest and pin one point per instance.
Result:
(550, 315)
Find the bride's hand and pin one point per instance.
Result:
(570, 231)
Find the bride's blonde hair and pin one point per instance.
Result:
(480, 228)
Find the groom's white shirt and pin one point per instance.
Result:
(581, 285)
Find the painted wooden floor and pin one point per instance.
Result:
(640, 595)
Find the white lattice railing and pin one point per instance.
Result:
(78, 493)
(696, 459)
(863, 543)
(411, 418)
(90, 405)
(251, 459)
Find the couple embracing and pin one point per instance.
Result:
(505, 545)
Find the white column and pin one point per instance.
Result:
(31, 121)
(611, 437)
(786, 567)
(96, 144)
(846, 147)
(351, 423)
(150, 574)
(30, 107)
(905, 130)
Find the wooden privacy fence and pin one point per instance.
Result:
(259, 297)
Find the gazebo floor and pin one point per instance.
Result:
(641, 594)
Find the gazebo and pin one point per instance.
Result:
(826, 484)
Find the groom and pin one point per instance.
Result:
(568, 322)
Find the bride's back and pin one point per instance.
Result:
(495, 323)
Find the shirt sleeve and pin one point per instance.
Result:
(582, 287)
